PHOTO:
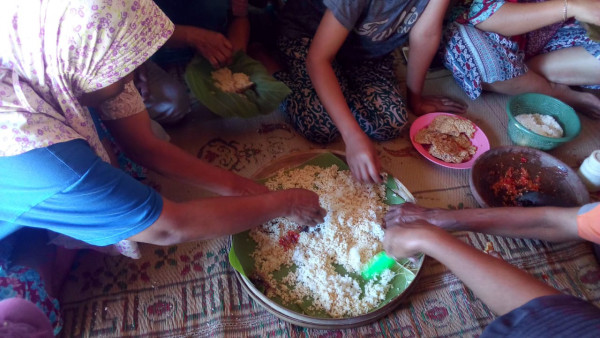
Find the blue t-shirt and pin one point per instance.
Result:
(66, 188)
(377, 27)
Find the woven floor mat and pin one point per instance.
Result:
(189, 290)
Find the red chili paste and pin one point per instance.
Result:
(513, 184)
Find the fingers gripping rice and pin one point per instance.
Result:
(350, 235)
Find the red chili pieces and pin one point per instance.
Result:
(289, 240)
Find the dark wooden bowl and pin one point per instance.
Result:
(558, 181)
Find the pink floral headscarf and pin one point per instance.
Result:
(51, 51)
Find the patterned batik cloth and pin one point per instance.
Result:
(370, 87)
(363, 66)
(23, 282)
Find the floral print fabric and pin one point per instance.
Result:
(52, 52)
(23, 282)
(127, 103)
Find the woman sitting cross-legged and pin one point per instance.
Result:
(514, 47)
(338, 62)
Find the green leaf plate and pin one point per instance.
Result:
(243, 245)
(263, 98)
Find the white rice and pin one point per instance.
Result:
(350, 236)
(230, 82)
(544, 125)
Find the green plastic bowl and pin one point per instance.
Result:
(532, 103)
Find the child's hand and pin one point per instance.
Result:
(362, 159)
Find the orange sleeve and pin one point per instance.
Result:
(588, 223)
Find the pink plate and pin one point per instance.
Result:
(479, 140)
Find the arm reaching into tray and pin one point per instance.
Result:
(525, 304)
(545, 223)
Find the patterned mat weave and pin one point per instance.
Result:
(189, 290)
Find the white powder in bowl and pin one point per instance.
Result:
(544, 125)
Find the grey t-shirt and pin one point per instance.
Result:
(376, 27)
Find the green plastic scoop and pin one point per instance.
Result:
(379, 263)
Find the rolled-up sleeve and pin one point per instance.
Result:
(588, 222)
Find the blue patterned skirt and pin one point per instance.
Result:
(477, 57)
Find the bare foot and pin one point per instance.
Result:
(583, 102)
(531, 82)
(592, 97)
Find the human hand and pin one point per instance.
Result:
(409, 213)
(362, 159)
(304, 207)
(237, 185)
(432, 104)
(404, 240)
(214, 46)
(587, 11)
